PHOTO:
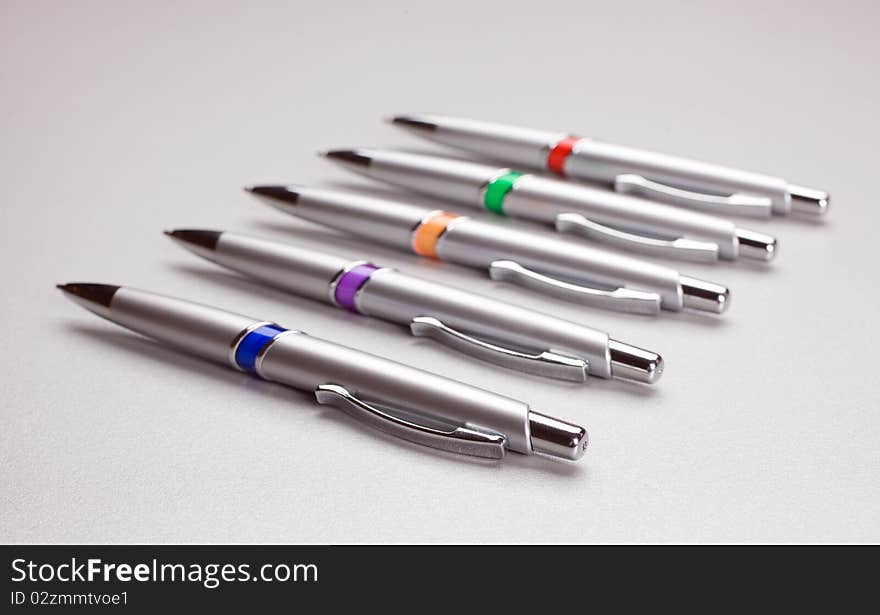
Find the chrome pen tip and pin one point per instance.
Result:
(633, 363)
(704, 296)
(809, 201)
(756, 245)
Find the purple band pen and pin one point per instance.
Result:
(502, 333)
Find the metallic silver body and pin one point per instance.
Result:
(495, 331)
(195, 328)
(398, 297)
(681, 248)
(390, 222)
(606, 279)
(305, 362)
(624, 221)
(543, 199)
(448, 178)
(479, 244)
(544, 363)
(477, 325)
(620, 299)
(462, 440)
(597, 161)
(523, 147)
(676, 180)
(729, 204)
(307, 272)
(311, 364)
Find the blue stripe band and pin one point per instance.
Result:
(252, 343)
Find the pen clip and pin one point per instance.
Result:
(732, 204)
(546, 363)
(456, 439)
(621, 299)
(681, 248)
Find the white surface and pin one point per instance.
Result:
(121, 119)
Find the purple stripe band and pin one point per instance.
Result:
(350, 282)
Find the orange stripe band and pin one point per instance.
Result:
(428, 232)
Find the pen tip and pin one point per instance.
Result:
(196, 237)
(102, 294)
(348, 155)
(410, 121)
(247, 188)
(288, 194)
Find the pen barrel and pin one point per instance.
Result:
(446, 178)
(541, 199)
(398, 297)
(603, 162)
(387, 221)
(197, 329)
(479, 244)
(305, 362)
(525, 147)
(303, 271)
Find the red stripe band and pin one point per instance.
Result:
(556, 157)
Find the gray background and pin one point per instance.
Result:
(120, 119)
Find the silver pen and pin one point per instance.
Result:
(578, 273)
(479, 326)
(406, 402)
(618, 220)
(671, 179)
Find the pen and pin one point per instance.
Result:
(491, 330)
(406, 402)
(578, 273)
(670, 179)
(618, 220)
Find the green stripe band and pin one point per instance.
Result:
(498, 189)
